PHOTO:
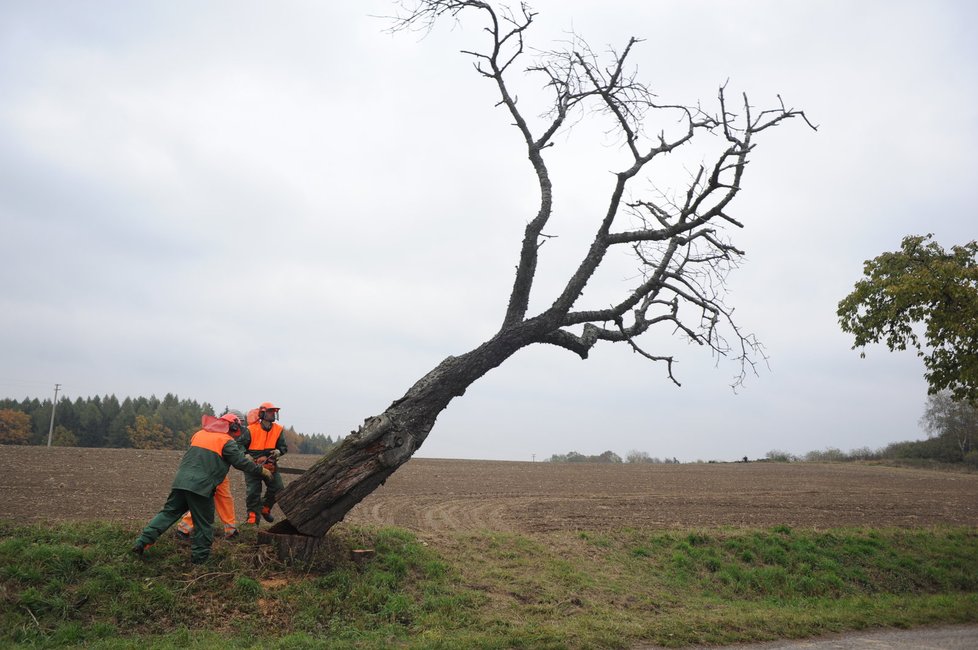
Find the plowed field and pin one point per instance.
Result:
(430, 495)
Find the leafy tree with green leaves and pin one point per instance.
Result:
(62, 437)
(925, 298)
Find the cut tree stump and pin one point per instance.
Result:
(290, 545)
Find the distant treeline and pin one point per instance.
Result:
(609, 457)
(952, 426)
(140, 422)
(942, 449)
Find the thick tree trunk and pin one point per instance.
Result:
(289, 546)
(323, 495)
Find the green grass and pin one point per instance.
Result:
(76, 584)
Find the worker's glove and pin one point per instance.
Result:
(275, 454)
(266, 474)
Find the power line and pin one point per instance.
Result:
(22, 383)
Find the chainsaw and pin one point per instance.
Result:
(270, 463)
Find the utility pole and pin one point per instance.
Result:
(54, 405)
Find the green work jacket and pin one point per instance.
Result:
(207, 461)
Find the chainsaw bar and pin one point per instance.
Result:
(289, 470)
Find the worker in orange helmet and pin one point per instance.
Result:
(265, 443)
(212, 452)
(223, 501)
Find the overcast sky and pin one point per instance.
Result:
(245, 201)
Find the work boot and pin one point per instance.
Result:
(266, 514)
(252, 518)
(139, 548)
(182, 536)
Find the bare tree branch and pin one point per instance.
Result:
(680, 245)
(578, 80)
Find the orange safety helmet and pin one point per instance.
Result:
(234, 423)
(268, 407)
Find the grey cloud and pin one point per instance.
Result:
(165, 163)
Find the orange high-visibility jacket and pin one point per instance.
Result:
(206, 463)
(265, 441)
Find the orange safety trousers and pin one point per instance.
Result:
(223, 504)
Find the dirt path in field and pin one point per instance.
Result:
(430, 495)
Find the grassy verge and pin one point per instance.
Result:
(75, 584)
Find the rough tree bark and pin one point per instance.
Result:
(679, 247)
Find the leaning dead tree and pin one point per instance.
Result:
(679, 245)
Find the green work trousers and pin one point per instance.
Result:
(201, 509)
(253, 491)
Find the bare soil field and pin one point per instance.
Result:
(433, 495)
